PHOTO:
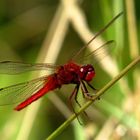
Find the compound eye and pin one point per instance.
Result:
(87, 73)
(90, 69)
(89, 76)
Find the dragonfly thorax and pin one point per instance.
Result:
(87, 72)
(74, 73)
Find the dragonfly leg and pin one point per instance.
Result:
(75, 91)
(96, 90)
(79, 103)
(85, 92)
(76, 96)
(91, 86)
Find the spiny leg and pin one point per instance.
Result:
(93, 89)
(91, 86)
(76, 96)
(74, 93)
(85, 91)
(78, 102)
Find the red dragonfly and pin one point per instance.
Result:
(69, 73)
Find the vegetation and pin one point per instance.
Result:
(51, 32)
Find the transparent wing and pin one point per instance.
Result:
(96, 35)
(100, 53)
(19, 92)
(9, 67)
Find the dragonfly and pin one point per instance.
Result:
(70, 73)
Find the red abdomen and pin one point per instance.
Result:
(51, 84)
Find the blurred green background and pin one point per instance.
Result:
(26, 34)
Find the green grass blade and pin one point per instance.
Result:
(101, 92)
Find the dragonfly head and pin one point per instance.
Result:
(87, 72)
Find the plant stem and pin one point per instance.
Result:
(99, 93)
